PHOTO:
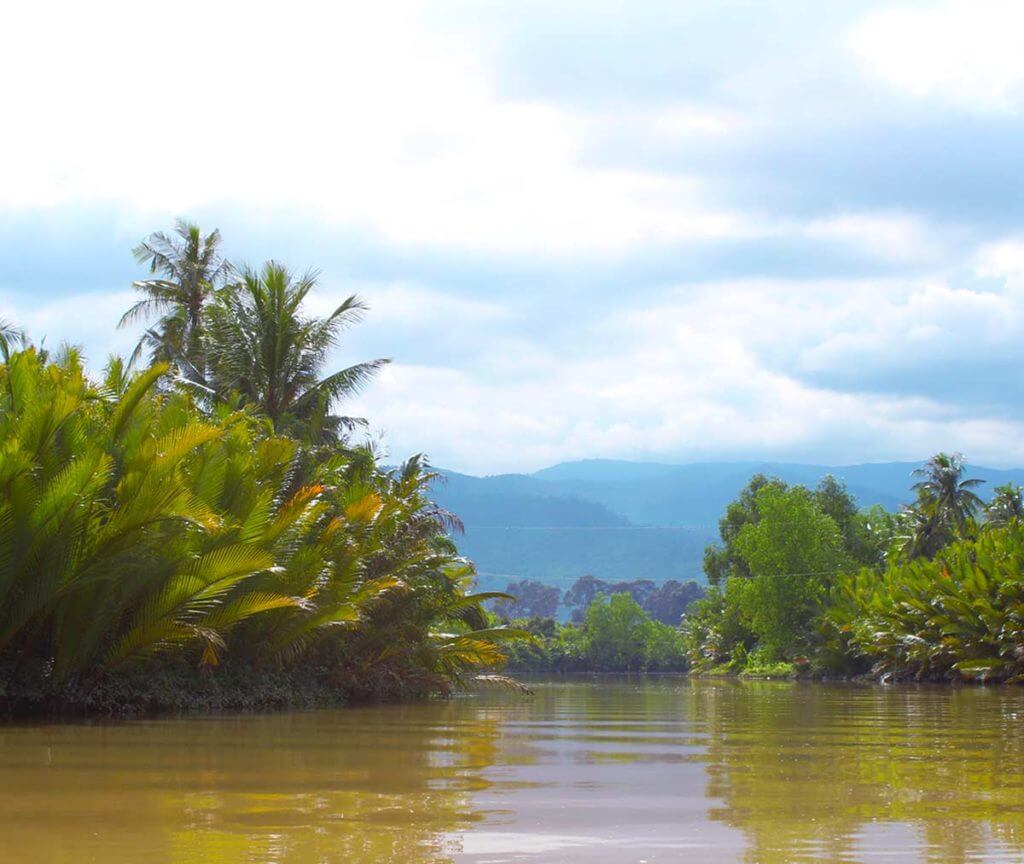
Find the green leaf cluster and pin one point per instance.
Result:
(960, 614)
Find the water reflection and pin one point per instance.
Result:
(847, 773)
(609, 771)
(389, 784)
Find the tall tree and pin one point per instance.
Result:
(721, 560)
(866, 534)
(946, 505)
(262, 347)
(793, 551)
(188, 268)
(943, 480)
(582, 593)
(668, 603)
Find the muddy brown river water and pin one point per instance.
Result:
(610, 770)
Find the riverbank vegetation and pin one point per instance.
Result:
(804, 583)
(204, 530)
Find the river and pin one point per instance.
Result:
(611, 770)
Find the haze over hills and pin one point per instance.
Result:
(622, 520)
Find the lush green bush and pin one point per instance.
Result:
(133, 524)
(960, 614)
(715, 631)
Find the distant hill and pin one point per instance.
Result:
(513, 500)
(623, 520)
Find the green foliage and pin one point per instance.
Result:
(139, 526)
(240, 337)
(782, 547)
(723, 561)
(264, 350)
(960, 614)
(758, 666)
(529, 599)
(715, 630)
(932, 597)
(866, 534)
(665, 603)
(616, 635)
(190, 268)
(945, 509)
(792, 552)
(869, 536)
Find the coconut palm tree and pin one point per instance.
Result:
(920, 530)
(951, 496)
(263, 348)
(189, 268)
(1006, 506)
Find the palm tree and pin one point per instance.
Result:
(1006, 506)
(189, 268)
(951, 497)
(263, 348)
(920, 531)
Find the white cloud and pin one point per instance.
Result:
(404, 304)
(897, 236)
(714, 370)
(360, 114)
(1003, 258)
(371, 122)
(682, 122)
(718, 370)
(920, 327)
(965, 51)
(88, 320)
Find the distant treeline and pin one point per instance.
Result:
(612, 627)
(530, 598)
(614, 634)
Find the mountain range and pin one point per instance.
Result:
(621, 520)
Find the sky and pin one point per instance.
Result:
(671, 231)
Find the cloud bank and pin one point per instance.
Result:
(600, 230)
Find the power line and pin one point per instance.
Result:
(667, 527)
(769, 575)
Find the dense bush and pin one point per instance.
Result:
(132, 525)
(960, 614)
(159, 521)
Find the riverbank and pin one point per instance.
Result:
(789, 672)
(175, 686)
